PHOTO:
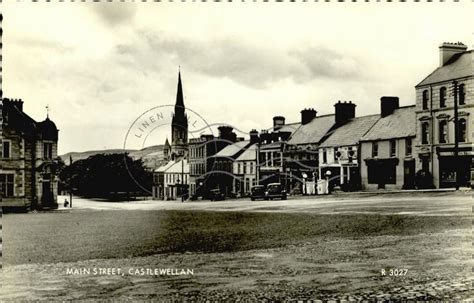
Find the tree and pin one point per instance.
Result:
(107, 176)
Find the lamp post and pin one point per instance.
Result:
(178, 183)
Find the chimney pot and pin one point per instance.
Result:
(447, 50)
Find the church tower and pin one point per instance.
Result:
(179, 125)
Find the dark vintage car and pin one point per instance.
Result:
(257, 192)
(216, 195)
(275, 191)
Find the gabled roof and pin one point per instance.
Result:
(233, 149)
(458, 66)
(165, 167)
(314, 131)
(290, 127)
(351, 132)
(249, 154)
(174, 167)
(401, 123)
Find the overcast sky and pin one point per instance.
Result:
(100, 65)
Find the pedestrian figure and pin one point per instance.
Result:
(66, 203)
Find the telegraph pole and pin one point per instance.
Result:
(456, 133)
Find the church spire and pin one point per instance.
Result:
(179, 94)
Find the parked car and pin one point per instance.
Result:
(275, 190)
(257, 192)
(216, 195)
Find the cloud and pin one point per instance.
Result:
(250, 65)
(123, 13)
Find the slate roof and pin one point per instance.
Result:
(165, 167)
(314, 131)
(458, 66)
(233, 149)
(290, 127)
(351, 132)
(249, 154)
(174, 167)
(400, 124)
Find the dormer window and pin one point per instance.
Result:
(425, 99)
(442, 97)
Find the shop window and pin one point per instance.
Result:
(442, 97)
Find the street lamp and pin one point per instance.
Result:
(178, 183)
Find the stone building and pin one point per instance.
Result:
(386, 150)
(435, 117)
(28, 160)
(339, 153)
(301, 152)
(202, 161)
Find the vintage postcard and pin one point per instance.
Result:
(214, 151)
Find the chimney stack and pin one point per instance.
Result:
(307, 115)
(278, 122)
(253, 136)
(344, 111)
(447, 50)
(388, 105)
(226, 133)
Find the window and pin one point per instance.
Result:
(393, 148)
(462, 130)
(442, 97)
(462, 94)
(245, 167)
(425, 131)
(408, 147)
(325, 156)
(6, 183)
(425, 99)
(375, 149)
(6, 149)
(48, 151)
(443, 131)
(337, 154)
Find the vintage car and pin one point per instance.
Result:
(216, 195)
(275, 191)
(257, 192)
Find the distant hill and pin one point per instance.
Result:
(150, 155)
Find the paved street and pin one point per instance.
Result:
(437, 203)
(321, 248)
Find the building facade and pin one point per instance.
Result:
(29, 161)
(339, 153)
(435, 117)
(245, 170)
(387, 153)
(301, 152)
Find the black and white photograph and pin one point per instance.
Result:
(242, 151)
